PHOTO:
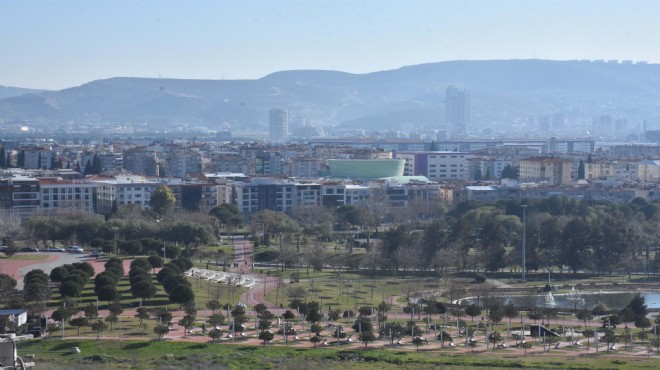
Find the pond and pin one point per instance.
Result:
(614, 300)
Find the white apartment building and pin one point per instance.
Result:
(436, 166)
(60, 196)
(123, 190)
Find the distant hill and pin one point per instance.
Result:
(414, 95)
(8, 91)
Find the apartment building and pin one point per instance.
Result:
(436, 166)
(556, 171)
(123, 190)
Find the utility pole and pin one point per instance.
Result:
(524, 206)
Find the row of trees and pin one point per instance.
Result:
(72, 278)
(600, 238)
(175, 283)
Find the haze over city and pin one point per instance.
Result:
(54, 45)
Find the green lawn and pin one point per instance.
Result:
(28, 257)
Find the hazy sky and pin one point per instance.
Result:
(56, 44)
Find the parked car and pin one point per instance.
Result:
(28, 249)
(55, 249)
(97, 253)
(74, 249)
(3, 248)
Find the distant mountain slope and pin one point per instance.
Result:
(500, 90)
(8, 91)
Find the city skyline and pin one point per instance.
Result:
(59, 45)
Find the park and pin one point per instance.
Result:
(366, 286)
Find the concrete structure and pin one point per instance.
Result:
(457, 108)
(279, 124)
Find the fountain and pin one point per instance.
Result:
(574, 298)
(549, 300)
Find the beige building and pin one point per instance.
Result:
(556, 171)
(648, 170)
(621, 170)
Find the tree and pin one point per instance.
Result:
(510, 311)
(182, 294)
(509, 172)
(162, 199)
(79, 322)
(288, 315)
(417, 341)
(107, 293)
(63, 314)
(473, 310)
(588, 333)
(161, 330)
(188, 322)
(313, 314)
(131, 247)
(334, 315)
(162, 316)
(315, 339)
(638, 306)
(266, 336)
(114, 310)
(494, 337)
(213, 305)
(91, 312)
(98, 326)
(216, 320)
(155, 261)
(215, 334)
(70, 289)
(58, 274)
(444, 337)
(584, 315)
(394, 331)
(227, 214)
(581, 170)
(143, 289)
(366, 337)
(496, 314)
(142, 313)
(610, 338)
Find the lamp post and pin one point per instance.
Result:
(524, 206)
(115, 229)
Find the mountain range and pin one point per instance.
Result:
(412, 96)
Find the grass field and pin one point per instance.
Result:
(55, 354)
(28, 257)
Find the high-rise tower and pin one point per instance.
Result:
(279, 124)
(457, 108)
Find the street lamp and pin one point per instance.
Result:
(115, 229)
(524, 206)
